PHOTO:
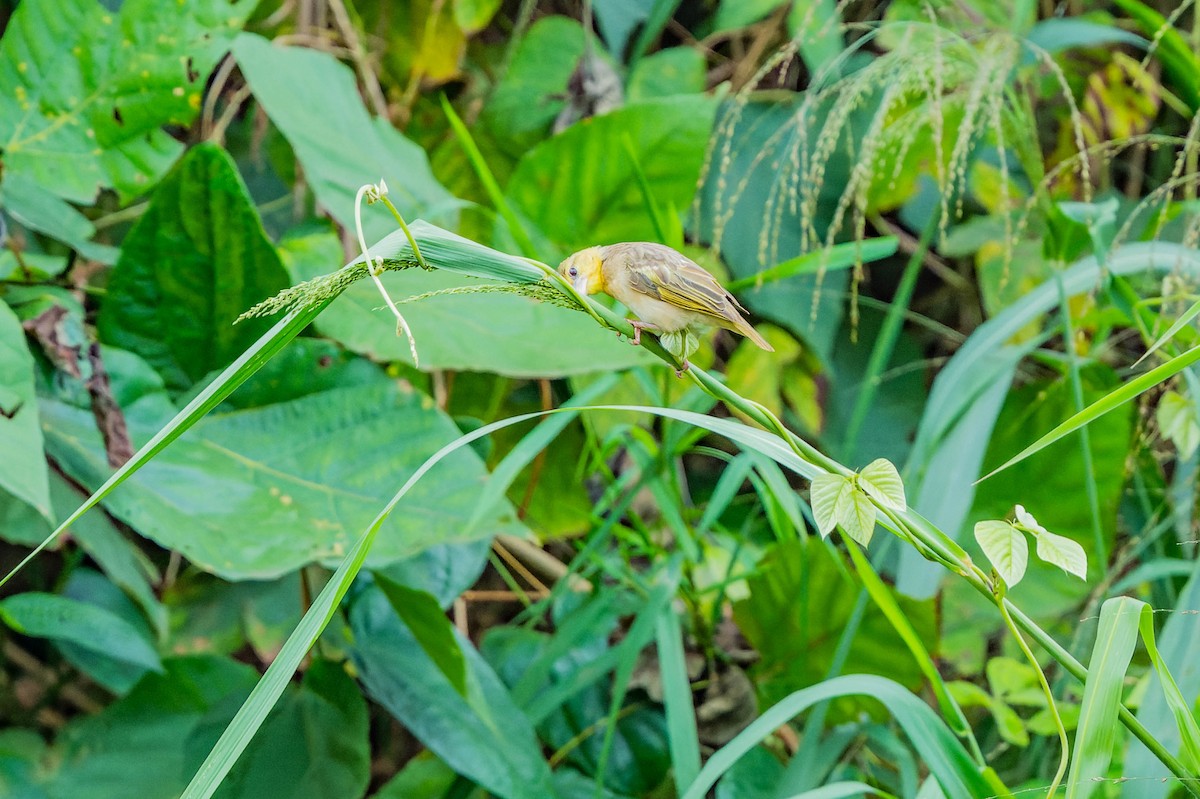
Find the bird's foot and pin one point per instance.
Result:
(683, 368)
(638, 327)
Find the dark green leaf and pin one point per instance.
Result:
(429, 626)
(313, 100)
(193, 263)
(23, 473)
(44, 615)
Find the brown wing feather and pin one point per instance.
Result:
(667, 275)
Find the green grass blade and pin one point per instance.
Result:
(1181, 709)
(1096, 734)
(484, 173)
(1183, 321)
(839, 256)
(677, 698)
(886, 602)
(939, 750)
(1114, 399)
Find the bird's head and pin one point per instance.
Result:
(584, 270)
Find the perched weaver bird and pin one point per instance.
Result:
(671, 294)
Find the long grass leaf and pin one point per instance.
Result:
(1181, 709)
(677, 698)
(1096, 734)
(839, 256)
(939, 750)
(1113, 399)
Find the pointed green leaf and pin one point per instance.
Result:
(882, 482)
(1177, 421)
(428, 624)
(1181, 709)
(826, 499)
(59, 618)
(1006, 549)
(1062, 552)
(857, 516)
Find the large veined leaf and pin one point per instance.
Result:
(23, 473)
(259, 492)
(312, 98)
(146, 744)
(193, 263)
(483, 735)
(581, 187)
(87, 89)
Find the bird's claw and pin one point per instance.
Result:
(683, 368)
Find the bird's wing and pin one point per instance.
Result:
(672, 278)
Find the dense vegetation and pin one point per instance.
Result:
(316, 480)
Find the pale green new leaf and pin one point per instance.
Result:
(1005, 546)
(1176, 418)
(1062, 552)
(882, 482)
(827, 497)
(857, 516)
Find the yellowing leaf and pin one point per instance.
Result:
(882, 482)
(1005, 547)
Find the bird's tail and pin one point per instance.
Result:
(749, 332)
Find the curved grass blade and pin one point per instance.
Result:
(1112, 400)
(840, 256)
(936, 745)
(677, 698)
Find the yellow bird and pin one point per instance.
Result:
(670, 293)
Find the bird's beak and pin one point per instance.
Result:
(581, 283)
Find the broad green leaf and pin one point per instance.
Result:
(107, 667)
(40, 209)
(881, 481)
(313, 99)
(89, 89)
(302, 500)
(146, 744)
(677, 697)
(829, 496)
(23, 472)
(483, 736)
(675, 70)
(1177, 422)
(313, 745)
(191, 265)
(1005, 547)
(44, 615)
(501, 333)
(532, 93)
(1063, 552)
(428, 624)
(1096, 735)
(582, 187)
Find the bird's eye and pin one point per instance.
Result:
(572, 271)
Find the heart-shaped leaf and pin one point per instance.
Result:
(829, 493)
(1005, 546)
(1062, 552)
(882, 482)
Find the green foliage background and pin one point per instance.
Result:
(960, 225)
